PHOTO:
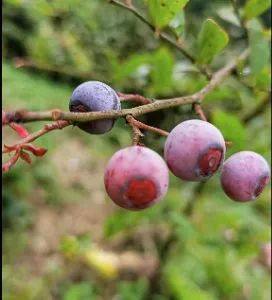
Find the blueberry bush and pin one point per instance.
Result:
(162, 107)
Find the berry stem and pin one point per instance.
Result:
(134, 98)
(135, 123)
(199, 111)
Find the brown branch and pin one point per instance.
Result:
(199, 111)
(137, 135)
(217, 78)
(163, 36)
(137, 125)
(134, 98)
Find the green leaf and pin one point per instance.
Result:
(232, 129)
(263, 79)
(123, 70)
(136, 290)
(181, 287)
(163, 11)
(80, 291)
(119, 222)
(254, 8)
(259, 46)
(211, 40)
(162, 64)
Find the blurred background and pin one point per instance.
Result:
(62, 237)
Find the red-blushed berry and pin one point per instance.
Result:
(136, 177)
(94, 96)
(194, 150)
(244, 176)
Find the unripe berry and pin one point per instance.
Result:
(194, 150)
(244, 176)
(94, 96)
(136, 178)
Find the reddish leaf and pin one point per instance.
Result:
(37, 151)
(25, 156)
(20, 129)
(6, 166)
(10, 148)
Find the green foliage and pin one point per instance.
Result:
(72, 246)
(231, 128)
(161, 72)
(163, 11)
(133, 290)
(259, 46)
(212, 39)
(35, 92)
(254, 8)
(157, 67)
(80, 291)
(180, 287)
(17, 213)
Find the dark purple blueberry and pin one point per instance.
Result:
(94, 96)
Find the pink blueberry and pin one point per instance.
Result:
(244, 176)
(194, 150)
(136, 178)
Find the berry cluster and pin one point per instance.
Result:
(137, 177)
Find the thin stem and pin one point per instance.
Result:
(199, 111)
(134, 98)
(137, 135)
(217, 78)
(133, 122)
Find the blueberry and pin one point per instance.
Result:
(244, 176)
(194, 150)
(94, 96)
(136, 178)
